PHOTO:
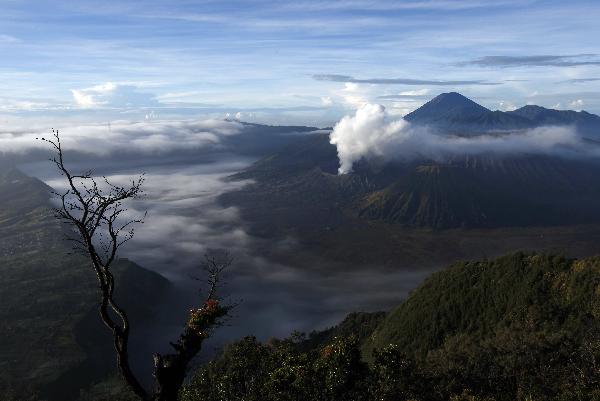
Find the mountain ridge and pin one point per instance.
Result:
(468, 191)
(464, 191)
(454, 113)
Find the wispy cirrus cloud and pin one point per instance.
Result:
(8, 39)
(444, 5)
(545, 60)
(398, 81)
(580, 80)
(402, 97)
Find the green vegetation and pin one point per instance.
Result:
(521, 327)
(40, 303)
(53, 342)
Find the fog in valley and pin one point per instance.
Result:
(185, 221)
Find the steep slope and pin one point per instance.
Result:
(524, 326)
(49, 343)
(467, 191)
(490, 192)
(481, 301)
(447, 106)
(359, 325)
(521, 327)
(304, 153)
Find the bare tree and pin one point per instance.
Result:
(95, 210)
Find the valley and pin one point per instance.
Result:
(354, 200)
(53, 342)
(298, 231)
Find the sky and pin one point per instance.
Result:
(289, 62)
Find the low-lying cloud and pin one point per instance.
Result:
(120, 136)
(369, 133)
(185, 221)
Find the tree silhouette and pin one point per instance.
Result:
(97, 214)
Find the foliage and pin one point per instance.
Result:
(249, 370)
(521, 327)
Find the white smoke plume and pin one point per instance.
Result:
(370, 133)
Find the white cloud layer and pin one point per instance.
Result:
(145, 137)
(369, 133)
(185, 221)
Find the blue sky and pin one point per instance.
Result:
(297, 62)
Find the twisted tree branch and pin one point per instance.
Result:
(95, 211)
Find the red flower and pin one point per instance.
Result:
(211, 304)
(327, 351)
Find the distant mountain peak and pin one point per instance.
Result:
(451, 106)
(586, 123)
(533, 107)
(532, 110)
(454, 101)
(453, 97)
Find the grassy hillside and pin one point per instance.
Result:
(519, 293)
(520, 327)
(52, 340)
(523, 324)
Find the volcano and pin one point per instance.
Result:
(466, 191)
(457, 114)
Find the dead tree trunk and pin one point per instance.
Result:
(94, 211)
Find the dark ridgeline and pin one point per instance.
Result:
(452, 112)
(455, 113)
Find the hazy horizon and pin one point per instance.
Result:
(308, 62)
